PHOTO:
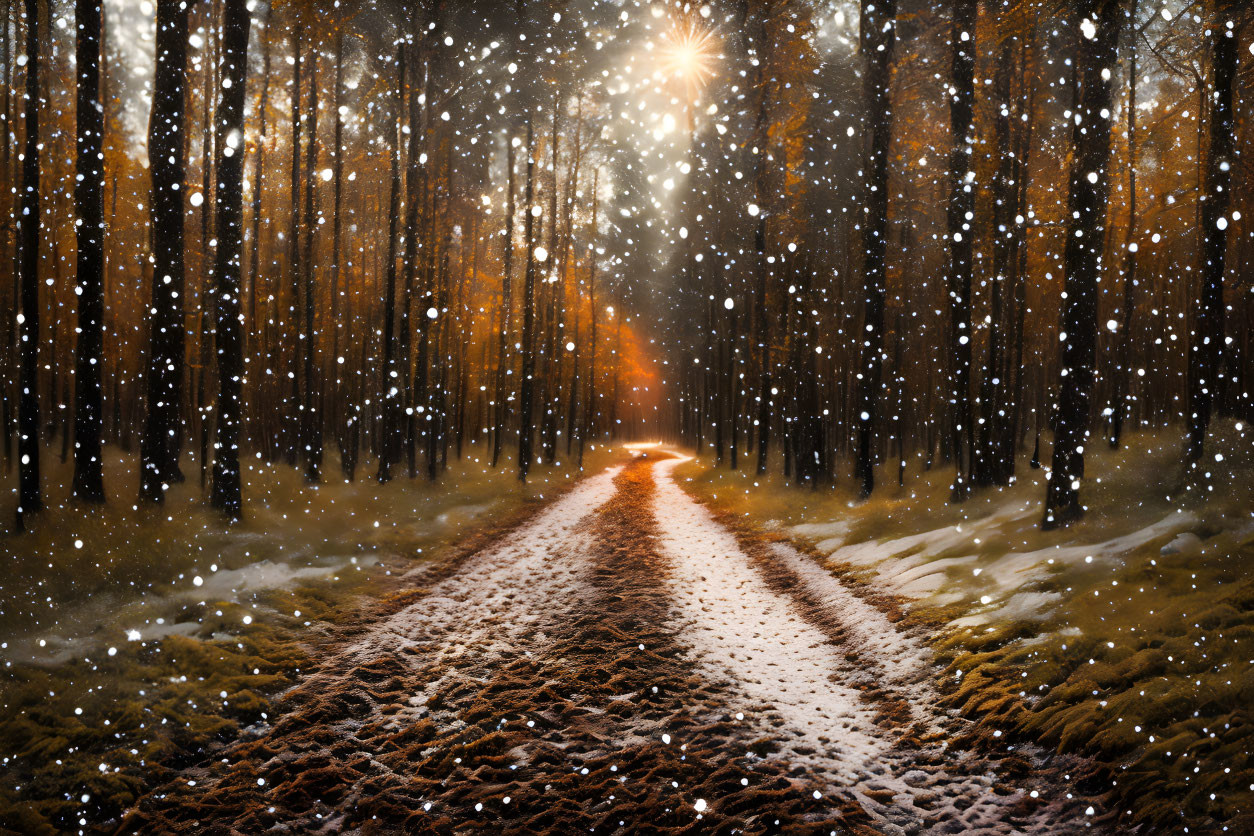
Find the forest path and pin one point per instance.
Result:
(622, 662)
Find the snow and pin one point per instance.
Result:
(972, 560)
(762, 644)
(502, 600)
(898, 655)
(1014, 569)
(743, 632)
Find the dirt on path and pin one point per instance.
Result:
(624, 662)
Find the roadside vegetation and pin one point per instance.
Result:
(1127, 638)
(106, 693)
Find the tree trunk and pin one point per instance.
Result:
(1090, 185)
(9, 211)
(589, 415)
(160, 444)
(502, 350)
(1206, 348)
(390, 394)
(550, 374)
(527, 384)
(878, 34)
(987, 467)
(1123, 366)
(229, 205)
(30, 495)
(311, 415)
(293, 423)
(89, 211)
(254, 333)
(337, 288)
(414, 375)
(961, 211)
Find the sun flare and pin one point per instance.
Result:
(689, 52)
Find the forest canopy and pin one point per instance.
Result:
(833, 238)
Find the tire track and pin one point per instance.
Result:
(850, 695)
(621, 663)
(338, 735)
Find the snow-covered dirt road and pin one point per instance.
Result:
(623, 662)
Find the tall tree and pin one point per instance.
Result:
(89, 209)
(1119, 405)
(589, 414)
(229, 205)
(294, 252)
(526, 431)
(337, 292)
(550, 355)
(417, 182)
(258, 191)
(8, 213)
(507, 270)
(159, 446)
(390, 396)
(310, 413)
(878, 35)
(764, 84)
(961, 215)
(1090, 186)
(1206, 345)
(30, 494)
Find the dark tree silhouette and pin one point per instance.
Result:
(1206, 346)
(961, 234)
(390, 384)
(160, 443)
(229, 203)
(1123, 370)
(89, 210)
(507, 269)
(294, 431)
(590, 410)
(30, 495)
(310, 412)
(1090, 185)
(878, 35)
(526, 429)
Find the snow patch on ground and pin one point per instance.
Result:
(876, 638)
(745, 633)
(926, 565)
(106, 620)
(829, 536)
(873, 552)
(1009, 572)
(502, 601)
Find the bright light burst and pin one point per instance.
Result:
(689, 52)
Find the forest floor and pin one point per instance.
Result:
(626, 660)
(661, 646)
(135, 638)
(1124, 639)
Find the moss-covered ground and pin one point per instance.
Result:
(1137, 650)
(136, 641)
